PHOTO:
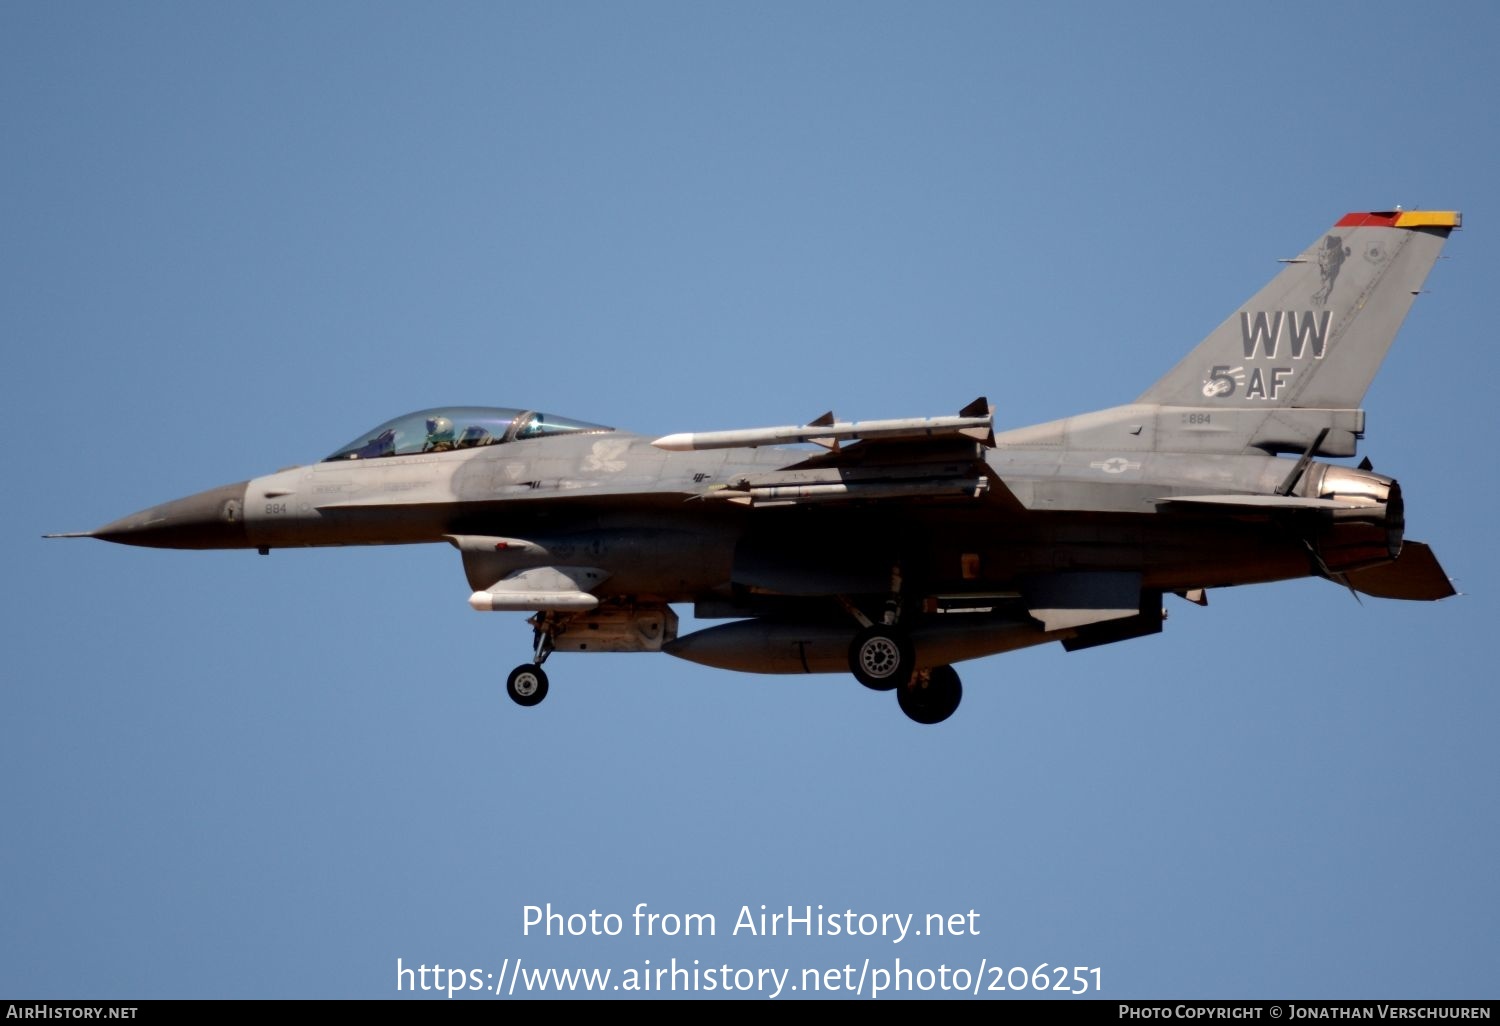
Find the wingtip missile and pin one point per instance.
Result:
(680, 442)
(975, 421)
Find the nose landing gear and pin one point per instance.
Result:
(527, 683)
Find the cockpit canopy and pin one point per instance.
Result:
(445, 428)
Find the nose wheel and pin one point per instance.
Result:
(527, 683)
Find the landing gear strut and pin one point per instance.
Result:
(881, 656)
(527, 683)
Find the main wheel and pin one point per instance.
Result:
(527, 684)
(931, 697)
(881, 657)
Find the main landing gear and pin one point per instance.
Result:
(527, 683)
(883, 658)
(931, 696)
(881, 654)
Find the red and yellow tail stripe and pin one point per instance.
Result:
(1403, 219)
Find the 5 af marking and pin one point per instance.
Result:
(1223, 381)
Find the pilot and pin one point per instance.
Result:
(439, 435)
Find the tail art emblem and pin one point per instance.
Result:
(1222, 381)
(1330, 259)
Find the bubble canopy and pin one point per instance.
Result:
(446, 428)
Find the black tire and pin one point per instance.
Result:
(933, 696)
(881, 657)
(527, 684)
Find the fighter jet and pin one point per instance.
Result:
(892, 549)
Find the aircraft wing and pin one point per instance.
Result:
(912, 459)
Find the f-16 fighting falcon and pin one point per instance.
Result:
(893, 549)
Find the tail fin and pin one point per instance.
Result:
(1314, 337)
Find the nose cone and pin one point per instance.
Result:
(214, 519)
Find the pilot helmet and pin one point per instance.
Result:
(439, 429)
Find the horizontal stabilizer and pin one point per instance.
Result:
(541, 588)
(1416, 575)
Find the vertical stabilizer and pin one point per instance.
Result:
(1314, 337)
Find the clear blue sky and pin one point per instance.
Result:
(237, 234)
